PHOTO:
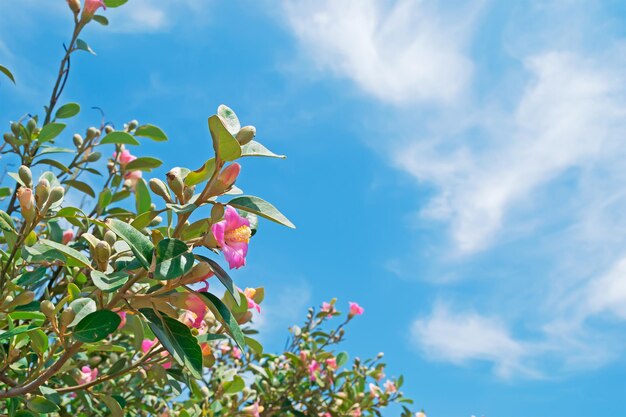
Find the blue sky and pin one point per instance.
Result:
(456, 167)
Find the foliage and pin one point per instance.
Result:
(105, 308)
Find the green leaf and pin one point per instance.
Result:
(8, 73)
(144, 219)
(143, 201)
(96, 326)
(40, 404)
(119, 138)
(67, 110)
(173, 259)
(141, 246)
(15, 331)
(83, 46)
(6, 223)
(82, 308)
(5, 192)
(177, 339)
(53, 149)
(230, 119)
(114, 407)
(342, 359)
(143, 163)
(254, 345)
(114, 3)
(39, 340)
(50, 131)
(254, 148)
(225, 145)
(223, 276)
(81, 259)
(181, 208)
(152, 132)
(234, 386)
(261, 208)
(201, 174)
(104, 199)
(81, 186)
(109, 283)
(31, 277)
(52, 162)
(222, 312)
(101, 19)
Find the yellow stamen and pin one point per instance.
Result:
(240, 234)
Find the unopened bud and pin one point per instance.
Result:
(110, 238)
(74, 6)
(159, 188)
(229, 175)
(47, 308)
(67, 316)
(102, 253)
(175, 181)
(246, 134)
(27, 202)
(92, 132)
(9, 138)
(25, 175)
(56, 194)
(108, 129)
(132, 125)
(23, 298)
(15, 128)
(31, 125)
(93, 157)
(156, 221)
(78, 140)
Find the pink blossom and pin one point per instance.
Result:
(198, 308)
(356, 412)
(132, 177)
(375, 391)
(254, 410)
(250, 293)
(147, 344)
(355, 309)
(87, 375)
(233, 235)
(236, 353)
(313, 367)
(91, 6)
(331, 363)
(125, 157)
(328, 308)
(390, 387)
(224, 348)
(304, 356)
(326, 414)
(68, 235)
(122, 315)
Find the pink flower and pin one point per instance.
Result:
(326, 414)
(90, 8)
(198, 308)
(390, 387)
(122, 315)
(147, 344)
(355, 309)
(328, 308)
(87, 375)
(233, 234)
(313, 367)
(253, 410)
(125, 157)
(331, 363)
(356, 412)
(236, 353)
(68, 235)
(375, 391)
(304, 356)
(132, 177)
(249, 293)
(224, 348)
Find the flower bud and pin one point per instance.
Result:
(15, 128)
(7, 302)
(159, 188)
(175, 181)
(31, 125)
(23, 298)
(188, 193)
(56, 194)
(108, 129)
(92, 132)
(78, 140)
(27, 203)
(25, 175)
(132, 125)
(229, 175)
(67, 317)
(74, 6)
(93, 157)
(156, 221)
(246, 134)
(90, 9)
(102, 253)
(9, 138)
(47, 308)
(110, 238)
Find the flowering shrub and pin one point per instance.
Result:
(106, 308)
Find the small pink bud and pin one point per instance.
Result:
(91, 6)
(68, 235)
(229, 175)
(355, 309)
(27, 202)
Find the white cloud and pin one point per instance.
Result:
(459, 337)
(408, 52)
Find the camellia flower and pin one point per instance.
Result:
(236, 353)
(233, 234)
(254, 410)
(331, 363)
(68, 235)
(147, 344)
(356, 412)
(132, 177)
(390, 387)
(198, 308)
(328, 308)
(355, 309)
(87, 375)
(375, 391)
(249, 293)
(313, 367)
(125, 157)
(90, 9)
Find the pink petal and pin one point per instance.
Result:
(234, 257)
(218, 230)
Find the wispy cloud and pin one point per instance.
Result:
(398, 54)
